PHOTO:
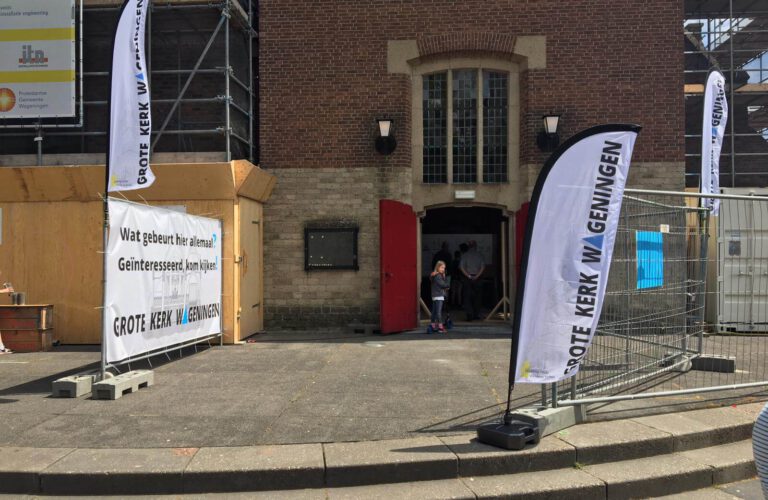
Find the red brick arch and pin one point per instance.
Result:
(462, 42)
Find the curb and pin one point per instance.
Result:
(697, 449)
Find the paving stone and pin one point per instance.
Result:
(117, 471)
(750, 489)
(617, 440)
(653, 476)
(255, 468)
(731, 462)
(562, 483)
(20, 467)
(401, 460)
(478, 459)
(440, 489)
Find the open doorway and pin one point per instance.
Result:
(447, 231)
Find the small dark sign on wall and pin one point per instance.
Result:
(330, 248)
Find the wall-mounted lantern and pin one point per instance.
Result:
(385, 140)
(548, 139)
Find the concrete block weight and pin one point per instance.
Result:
(714, 363)
(73, 386)
(125, 383)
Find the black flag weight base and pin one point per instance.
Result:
(515, 433)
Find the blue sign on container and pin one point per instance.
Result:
(650, 259)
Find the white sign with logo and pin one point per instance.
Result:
(163, 279)
(37, 67)
(567, 252)
(130, 116)
(712, 132)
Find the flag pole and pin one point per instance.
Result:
(105, 201)
(103, 371)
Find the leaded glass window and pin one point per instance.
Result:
(454, 104)
(464, 126)
(435, 128)
(494, 126)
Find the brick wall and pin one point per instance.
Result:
(324, 77)
(324, 80)
(295, 298)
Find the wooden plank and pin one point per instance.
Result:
(28, 340)
(251, 268)
(236, 276)
(252, 182)
(175, 181)
(19, 323)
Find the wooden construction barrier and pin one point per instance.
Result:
(51, 237)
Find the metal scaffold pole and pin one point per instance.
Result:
(224, 17)
(250, 80)
(227, 73)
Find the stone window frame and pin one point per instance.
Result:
(517, 54)
(447, 65)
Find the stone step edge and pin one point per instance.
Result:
(456, 456)
(598, 481)
(588, 482)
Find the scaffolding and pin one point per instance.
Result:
(732, 37)
(200, 56)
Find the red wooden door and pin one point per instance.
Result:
(397, 241)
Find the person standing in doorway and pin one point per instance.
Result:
(439, 290)
(472, 266)
(455, 274)
(443, 254)
(7, 288)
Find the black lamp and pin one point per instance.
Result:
(548, 139)
(385, 141)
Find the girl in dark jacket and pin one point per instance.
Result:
(439, 289)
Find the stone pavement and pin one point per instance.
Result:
(317, 410)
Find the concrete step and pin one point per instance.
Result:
(657, 455)
(638, 478)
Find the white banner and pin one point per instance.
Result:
(163, 279)
(567, 252)
(37, 70)
(130, 118)
(712, 131)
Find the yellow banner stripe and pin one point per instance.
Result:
(37, 34)
(65, 75)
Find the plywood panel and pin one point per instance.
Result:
(252, 182)
(251, 268)
(51, 251)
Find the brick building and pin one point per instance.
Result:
(466, 85)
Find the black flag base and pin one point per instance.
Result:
(516, 432)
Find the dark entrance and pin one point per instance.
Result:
(455, 226)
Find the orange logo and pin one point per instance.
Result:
(7, 99)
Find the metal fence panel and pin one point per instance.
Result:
(654, 338)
